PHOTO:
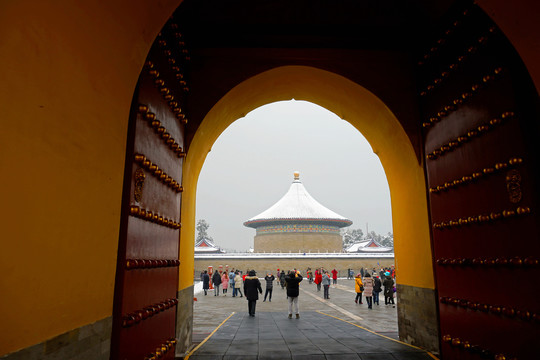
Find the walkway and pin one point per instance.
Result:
(327, 329)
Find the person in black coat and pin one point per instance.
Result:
(282, 279)
(269, 286)
(205, 281)
(388, 285)
(216, 281)
(377, 288)
(252, 288)
(293, 280)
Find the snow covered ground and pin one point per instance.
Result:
(197, 287)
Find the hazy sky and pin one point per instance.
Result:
(251, 167)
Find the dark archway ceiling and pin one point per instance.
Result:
(375, 43)
(369, 24)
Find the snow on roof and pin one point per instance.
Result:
(294, 255)
(204, 242)
(367, 246)
(205, 249)
(206, 246)
(354, 247)
(297, 204)
(374, 249)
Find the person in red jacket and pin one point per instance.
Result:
(318, 279)
(334, 276)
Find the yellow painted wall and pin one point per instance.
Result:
(68, 72)
(365, 112)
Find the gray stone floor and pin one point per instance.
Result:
(337, 328)
(270, 335)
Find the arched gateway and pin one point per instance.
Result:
(438, 91)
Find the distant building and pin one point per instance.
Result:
(298, 223)
(368, 247)
(206, 246)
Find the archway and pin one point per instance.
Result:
(366, 113)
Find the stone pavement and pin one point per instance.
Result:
(337, 328)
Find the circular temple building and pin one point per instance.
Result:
(298, 223)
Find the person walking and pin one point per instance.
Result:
(377, 288)
(269, 286)
(368, 290)
(237, 284)
(282, 279)
(205, 281)
(216, 281)
(388, 285)
(292, 281)
(326, 284)
(318, 279)
(252, 288)
(225, 282)
(231, 280)
(334, 276)
(358, 287)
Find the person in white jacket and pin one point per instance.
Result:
(237, 285)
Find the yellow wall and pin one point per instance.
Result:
(364, 111)
(68, 72)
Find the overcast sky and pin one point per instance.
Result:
(251, 167)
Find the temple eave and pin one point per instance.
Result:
(263, 222)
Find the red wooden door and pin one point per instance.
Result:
(147, 271)
(480, 124)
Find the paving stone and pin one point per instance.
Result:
(274, 355)
(353, 356)
(363, 347)
(336, 349)
(211, 351)
(376, 356)
(206, 357)
(308, 357)
(240, 357)
(391, 345)
(243, 351)
(330, 335)
(406, 355)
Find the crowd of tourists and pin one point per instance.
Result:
(368, 284)
(251, 285)
(222, 279)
